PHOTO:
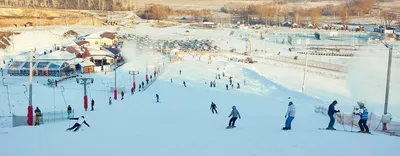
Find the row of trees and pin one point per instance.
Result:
(275, 13)
(116, 5)
(161, 12)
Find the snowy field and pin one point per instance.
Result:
(182, 123)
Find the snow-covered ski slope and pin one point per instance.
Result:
(182, 124)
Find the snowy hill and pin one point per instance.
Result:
(182, 124)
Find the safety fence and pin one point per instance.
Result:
(46, 118)
(160, 69)
(374, 121)
(56, 116)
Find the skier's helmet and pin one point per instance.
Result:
(233, 107)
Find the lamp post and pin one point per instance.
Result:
(384, 127)
(134, 73)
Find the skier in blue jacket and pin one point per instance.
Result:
(235, 114)
(289, 116)
(331, 113)
(363, 118)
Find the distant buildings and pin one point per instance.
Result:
(87, 54)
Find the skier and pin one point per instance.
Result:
(147, 79)
(158, 98)
(151, 78)
(363, 118)
(78, 124)
(180, 72)
(235, 114)
(244, 81)
(132, 91)
(214, 83)
(92, 105)
(289, 116)
(238, 85)
(38, 116)
(227, 87)
(143, 85)
(230, 81)
(171, 80)
(184, 83)
(155, 73)
(122, 95)
(331, 112)
(223, 74)
(109, 100)
(213, 108)
(69, 111)
(232, 85)
(211, 83)
(219, 76)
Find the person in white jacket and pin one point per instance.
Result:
(78, 124)
(289, 116)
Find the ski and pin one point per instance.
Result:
(343, 131)
(230, 127)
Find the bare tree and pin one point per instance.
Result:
(343, 15)
(387, 17)
(315, 15)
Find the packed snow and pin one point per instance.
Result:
(182, 123)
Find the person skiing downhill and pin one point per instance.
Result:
(109, 101)
(227, 87)
(331, 113)
(184, 83)
(122, 95)
(78, 124)
(289, 116)
(213, 108)
(92, 105)
(140, 87)
(363, 118)
(158, 98)
(235, 114)
(238, 85)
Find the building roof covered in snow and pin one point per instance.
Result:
(86, 63)
(82, 42)
(57, 55)
(99, 51)
(109, 35)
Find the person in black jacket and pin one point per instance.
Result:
(78, 124)
(69, 111)
(213, 108)
(331, 113)
(122, 95)
(92, 104)
(38, 116)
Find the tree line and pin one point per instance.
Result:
(109, 5)
(161, 12)
(278, 12)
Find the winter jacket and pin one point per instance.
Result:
(291, 110)
(69, 109)
(38, 112)
(234, 113)
(213, 106)
(80, 121)
(331, 109)
(364, 114)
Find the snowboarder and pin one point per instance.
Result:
(109, 101)
(78, 124)
(289, 116)
(235, 114)
(92, 105)
(122, 95)
(158, 98)
(38, 116)
(227, 87)
(238, 85)
(184, 83)
(213, 108)
(180, 72)
(363, 118)
(331, 113)
(69, 111)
